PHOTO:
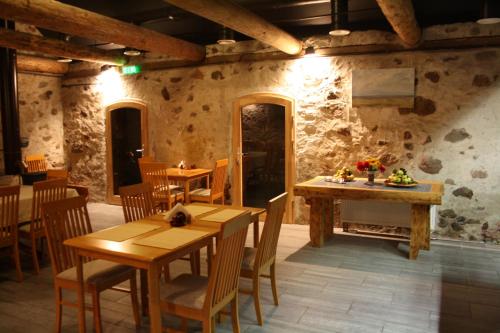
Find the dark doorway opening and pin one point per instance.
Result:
(127, 147)
(263, 146)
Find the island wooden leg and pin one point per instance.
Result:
(329, 217)
(419, 233)
(316, 225)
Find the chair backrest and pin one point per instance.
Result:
(9, 210)
(137, 201)
(224, 277)
(266, 251)
(155, 173)
(64, 219)
(57, 173)
(35, 163)
(45, 191)
(219, 177)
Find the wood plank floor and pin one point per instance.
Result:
(350, 285)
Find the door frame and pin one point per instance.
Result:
(289, 105)
(123, 103)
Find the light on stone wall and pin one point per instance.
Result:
(110, 85)
(310, 68)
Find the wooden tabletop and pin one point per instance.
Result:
(185, 174)
(140, 255)
(316, 188)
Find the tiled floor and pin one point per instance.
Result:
(350, 285)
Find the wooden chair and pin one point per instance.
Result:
(257, 261)
(35, 163)
(137, 201)
(45, 191)
(68, 218)
(57, 173)
(9, 210)
(216, 190)
(201, 298)
(164, 193)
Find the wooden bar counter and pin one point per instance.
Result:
(322, 194)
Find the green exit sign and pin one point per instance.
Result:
(129, 70)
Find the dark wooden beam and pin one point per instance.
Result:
(27, 42)
(40, 65)
(401, 16)
(233, 16)
(54, 15)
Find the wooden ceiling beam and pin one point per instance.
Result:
(40, 65)
(28, 42)
(57, 16)
(401, 16)
(233, 16)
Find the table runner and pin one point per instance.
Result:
(223, 215)
(124, 231)
(196, 210)
(378, 186)
(172, 238)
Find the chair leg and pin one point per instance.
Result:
(256, 297)
(235, 320)
(166, 272)
(207, 325)
(58, 309)
(135, 300)
(36, 266)
(273, 283)
(96, 309)
(17, 261)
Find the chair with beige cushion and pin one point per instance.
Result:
(258, 261)
(66, 219)
(201, 298)
(137, 201)
(44, 191)
(35, 163)
(216, 190)
(164, 193)
(9, 210)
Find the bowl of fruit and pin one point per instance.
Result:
(345, 174)
(400, 178)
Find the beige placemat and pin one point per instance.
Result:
(124, 231)
(196, 210)
(172, 238)
(223, 215)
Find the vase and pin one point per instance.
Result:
(371, 178)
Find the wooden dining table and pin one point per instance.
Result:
(143, 251)
(186, 176)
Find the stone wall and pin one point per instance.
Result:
(41, 117)
(451, 135)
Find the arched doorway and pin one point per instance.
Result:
(269, 161)
(126, 140)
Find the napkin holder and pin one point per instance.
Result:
(178, 216)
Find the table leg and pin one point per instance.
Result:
(256, 231)
(144, 291)
(418, 234)
(329, 216)
(316, 223)
(186, 192)
(195, 261)
(210, 254)
(154, 298)
(427, 228)
(80, 294)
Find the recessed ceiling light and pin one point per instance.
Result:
(132, 52)
(489, 20)
(226, 36)
(64, 60)
(339, 32)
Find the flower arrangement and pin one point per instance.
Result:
(370, 164)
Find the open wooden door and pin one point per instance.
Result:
(271, 161)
